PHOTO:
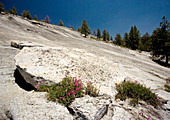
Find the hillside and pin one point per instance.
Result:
(102, 63)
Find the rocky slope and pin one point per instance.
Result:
(50, 51)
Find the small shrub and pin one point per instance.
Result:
(136, 91)
(167, 85)
(67, 90)
(91, 90)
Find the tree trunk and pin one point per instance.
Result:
(166, 59)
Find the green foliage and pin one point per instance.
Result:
(126, 40)
(79, 29)
(13, 11)
(118, 39)
(71, 27)
(2, 9)
(107, 36)
(161, 40)
(24, 13)
(94, 32)
(29, 15)
(145, 42)
(134, 38)
(98, 33)
(35, 17)
(136, 91)
(167, 85)
(111, 38)
(91, 90)
(85, 28)
(47, 19)
(67, 90)
(61, 23)
(104, 35)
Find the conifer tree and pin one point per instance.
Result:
(13, 11)
(61, 23)
(79, 29)
(126, 40)
(47, 19)
(71, 27)
(85, 28)
(98, 33)
(94, 32)
(161, 40)
(134, 38)
(118, 39)
(35, 17)
(2, 9)
(28, 15)
(104, 35)
(107, 36)
(145, 42)
(24, 13)
(111, 38)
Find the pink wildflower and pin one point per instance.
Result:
(65, 90)
(73, 93)
(76, 84)
(69, 94)
(56, 99)
(77, 89)
(76, 80)
(136, 81)
(61, 98)
(148, 118)
(79, 79)
(80, 84)
(142, 112)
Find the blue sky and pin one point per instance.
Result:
(116, 16)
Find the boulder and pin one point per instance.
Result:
(49, 65)
(34, 106)
(90, 108)
(21, 44)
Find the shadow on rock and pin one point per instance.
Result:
(21, 82)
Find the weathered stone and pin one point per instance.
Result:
(90, 108)
(21, 44)
(34, 106)
(105, 64)
(163, 94)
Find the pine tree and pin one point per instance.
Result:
(104, 35)
(94, 32)
(145, 42)
(126, 40)
(98, 33)
(2, 9)
(28, 15)
(61, 23)
(161, 40)
(24, 13)
(118, 39)
(107, 36)
(47, 19)
(79, 29)
(134, 38)
(111, 38)
(71, 27)
(84, 28)
(35, 17)
(14, 11)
